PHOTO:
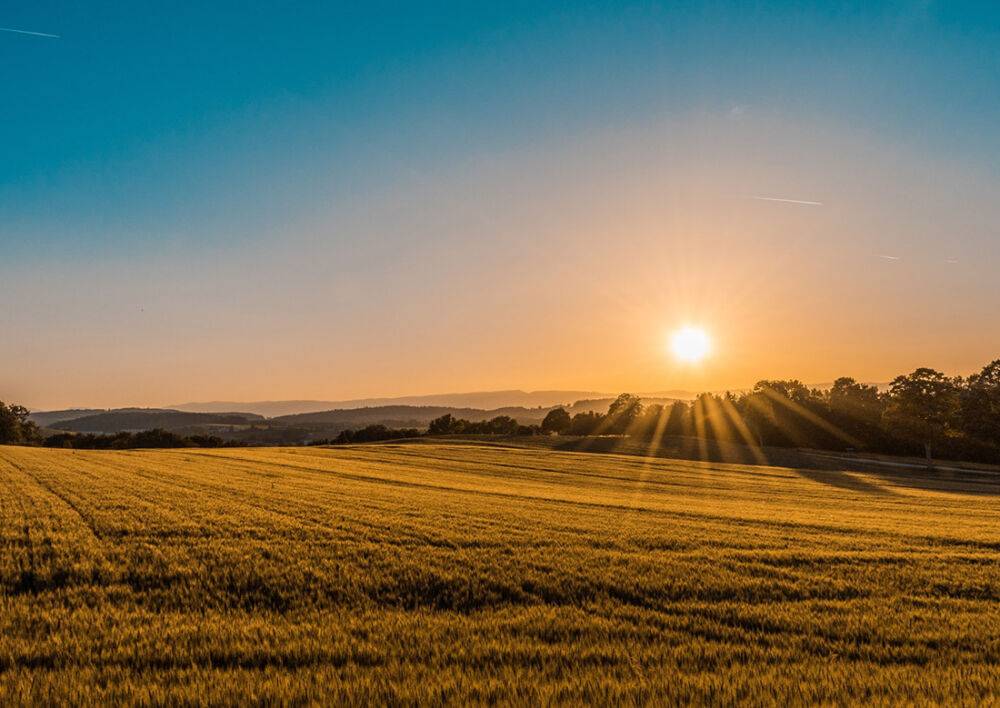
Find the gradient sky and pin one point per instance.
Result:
(335, 200)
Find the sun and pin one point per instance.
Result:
(690, 344)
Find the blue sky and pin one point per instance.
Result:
(138, 112)
(147, 134)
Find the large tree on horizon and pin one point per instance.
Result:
(980, 402)
(923, 407)
(556, 420)
(623, 411)
(15, 427)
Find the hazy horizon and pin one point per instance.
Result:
(248, 204)
(553, 396)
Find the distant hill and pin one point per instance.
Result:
(319, 422)
(574, 401)
(295, 428)
(328, 423)
(403, 416)
(484, 400)
(46, 419)
(133, 419)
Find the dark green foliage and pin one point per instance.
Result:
(155, 438)
(150, 419)
(923, 407)
(980, 404)
(442, 426)
(923, 411)
(856, 409)
(588, 423)
(623, 412)
(500, 425)
(374, 433)
(556, 420)
(15, 428)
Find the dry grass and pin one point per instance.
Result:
(457, 573)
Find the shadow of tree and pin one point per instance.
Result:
(844, 480)
(827, 468)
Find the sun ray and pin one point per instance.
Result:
(811, 417)
(743, 431)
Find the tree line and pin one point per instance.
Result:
(369, 433)
(446, 424)
(153, 438)
(16, 429)
(924, 412)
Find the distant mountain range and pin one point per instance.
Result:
(47, 419)
(485, 400)
(294, 428)
(289, 422)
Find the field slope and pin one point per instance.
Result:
(474, 573)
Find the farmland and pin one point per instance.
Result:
(455, 572)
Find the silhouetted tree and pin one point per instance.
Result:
(442, 426)
(650, 423)
(788, 413)
(952, 417)
(15, 428)
(622, 412)
(207, 441)
(556, 420)
(980, 404)
(374, 433)
(501, 425)
(678, 419)
(586, 423)
(857, 409)
(922, 407)
(710, 418)
(759, 415)
(157, 437)
(65, 440)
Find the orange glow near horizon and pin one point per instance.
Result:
(564, 267)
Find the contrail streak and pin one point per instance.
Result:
(33, 34)
(788, 201)
(890, 258)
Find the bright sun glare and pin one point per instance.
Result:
(690, 344)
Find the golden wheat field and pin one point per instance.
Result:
(465, 573)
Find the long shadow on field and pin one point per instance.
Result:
(942, 481)
(829, 469)
(903, 472)
(844, 480)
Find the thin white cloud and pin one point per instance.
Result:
(890, 258)
(33, 34)
(787, 201)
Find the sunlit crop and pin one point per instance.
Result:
(476, 573)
